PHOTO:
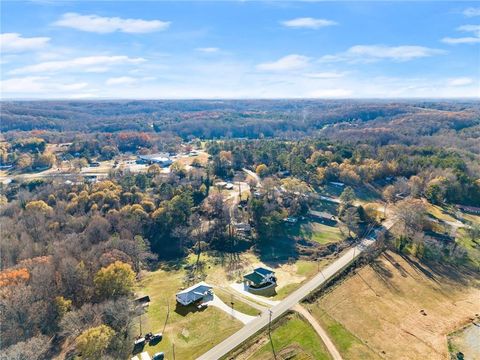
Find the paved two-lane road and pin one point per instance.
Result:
(289, 302)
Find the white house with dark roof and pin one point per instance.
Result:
(260, 278)
(194, 294)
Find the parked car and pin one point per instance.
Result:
(156, 337)
(159, 356)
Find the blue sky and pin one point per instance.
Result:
(239, 49)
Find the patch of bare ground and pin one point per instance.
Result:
(401, 308)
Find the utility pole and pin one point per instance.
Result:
(166, 319)
(140, 324)
(232, 303)
(173, 350)
(270, 333)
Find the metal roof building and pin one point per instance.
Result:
(194, 293)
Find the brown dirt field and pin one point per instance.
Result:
(382, 305)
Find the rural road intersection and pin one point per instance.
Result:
(286, 304)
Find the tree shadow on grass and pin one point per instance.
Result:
(420, 268)
(383, 273)
(172, 265)
(279, 251)
(435, 271)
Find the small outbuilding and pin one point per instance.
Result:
(194, 294)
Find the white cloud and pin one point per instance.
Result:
(286, 63)
(471, 12)
(399, 53)
(38, 84)
(104, 25)
(460, 81)
(475, 29)
(14, 42)
(122, 80)
(208, 49)
(308, 23)
(462, 40)
(81, 63)
(325, 75)
(371, 53)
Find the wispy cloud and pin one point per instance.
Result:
(286, 63)
(308, 23)
(104, 25)
(80, 63)
(208, 49)
(36, 84)
(460, 81)
(474, 29)
(471, 12)
(372, 53)
(14, 43)
(325, 75)
(122, 80)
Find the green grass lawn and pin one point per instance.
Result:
(292, 337)
(316, 231)
(191, 332)
(239, 305)
(349, 346)
(439, 213)
(473, 250)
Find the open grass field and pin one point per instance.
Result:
(399, 308)
(194, 332)
(292, 337)
(316, 231)
(349, 346)
(191, 332)
(320, 233)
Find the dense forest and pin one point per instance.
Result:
(376, 121)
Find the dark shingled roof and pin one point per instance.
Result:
(258, 275)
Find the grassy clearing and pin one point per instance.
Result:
(303, 270)
(292, 338)
(316, 231)
(192, 332)
(347, 344)
(239, 305)
(473, 250)
(400, 308)
(439, 213)
(324, 234)
(366, 194)
(474, 219)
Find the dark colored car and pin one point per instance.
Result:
(159, 356)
